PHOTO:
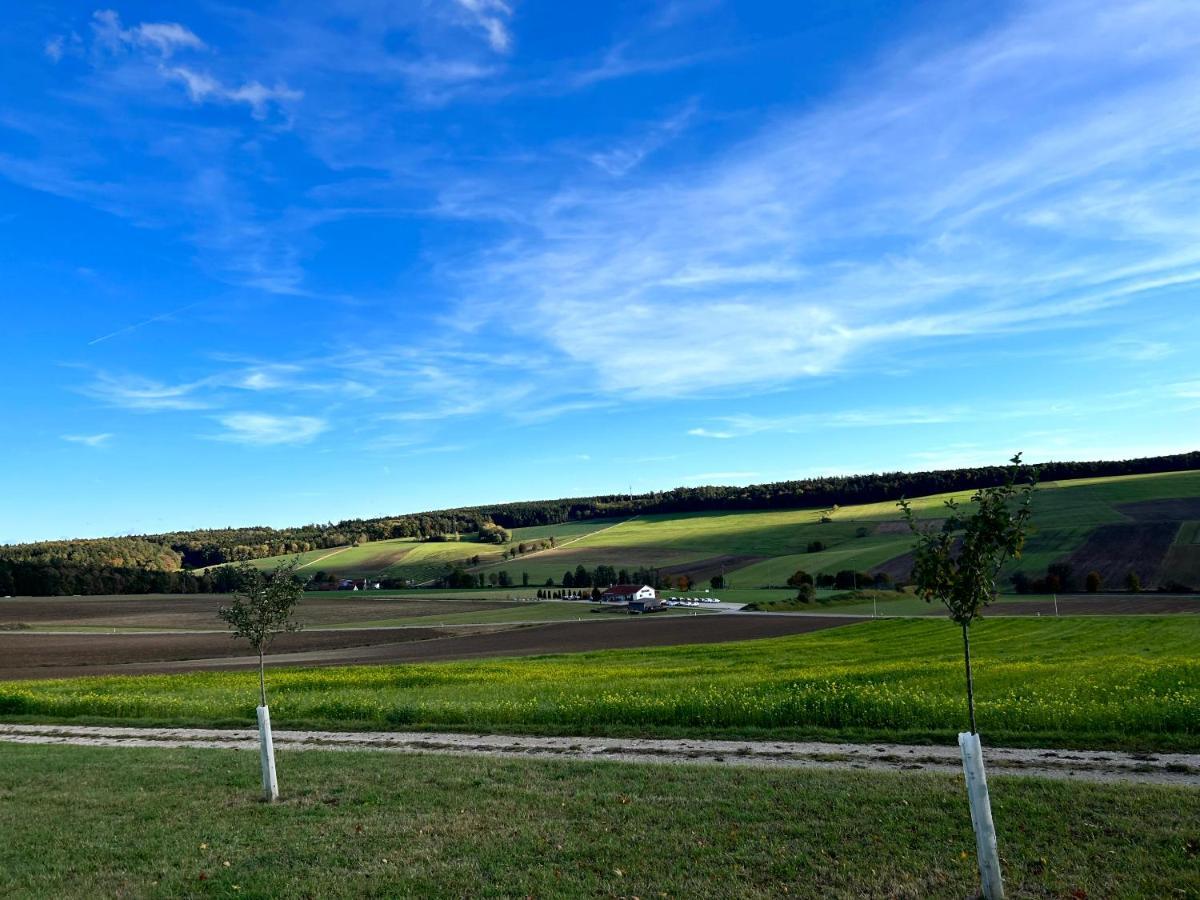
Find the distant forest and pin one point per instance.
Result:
(165, 562)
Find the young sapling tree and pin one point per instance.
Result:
(958, 564)
(260, 609)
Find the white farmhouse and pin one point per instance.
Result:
(628, 593)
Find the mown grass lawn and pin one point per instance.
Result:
(1101, 682)
(105, 822)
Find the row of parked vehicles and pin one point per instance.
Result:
(635, 607)
(691, 601)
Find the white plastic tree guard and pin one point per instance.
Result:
(981, 816)
(267, 749)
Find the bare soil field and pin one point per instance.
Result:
(199, 611)
(1098, 605)
(1115, 550)
(703, 569)
(69, 655)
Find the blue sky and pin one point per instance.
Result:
(280, 263)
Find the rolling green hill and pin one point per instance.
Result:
(420, 561)
(1148, 524)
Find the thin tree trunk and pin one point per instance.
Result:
(262, 681)
(970, 679)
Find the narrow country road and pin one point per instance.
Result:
(1083, 765)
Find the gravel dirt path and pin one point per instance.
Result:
(1085, 765)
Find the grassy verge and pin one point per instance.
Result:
(1114, 682)
(86, 822)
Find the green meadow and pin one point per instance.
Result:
(1098, 682)
(119, 822)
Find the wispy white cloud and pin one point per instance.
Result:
(889, 219)
(89, 440)
(492, 17)
(53, 48)
(163, 38)
(1131, 350)
(202, 87)
(620, 159)
(264, 429)
(673, 12)
(160, 41)
(1032, 409)
(746, 425)
(619, 62)
(145, 394)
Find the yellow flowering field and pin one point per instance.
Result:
(1089, 681)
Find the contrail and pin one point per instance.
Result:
(137, 325)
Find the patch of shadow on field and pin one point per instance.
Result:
(1115, 550)
(1182, 565)
(1176, 509)
(704, 569)
(899, 568)
(899, 526)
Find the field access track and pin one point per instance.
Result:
(41, 655)
(1089, 765)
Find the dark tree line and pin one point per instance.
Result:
(605, 576)
(50, 578)
(1061, 577)
(179, 551)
